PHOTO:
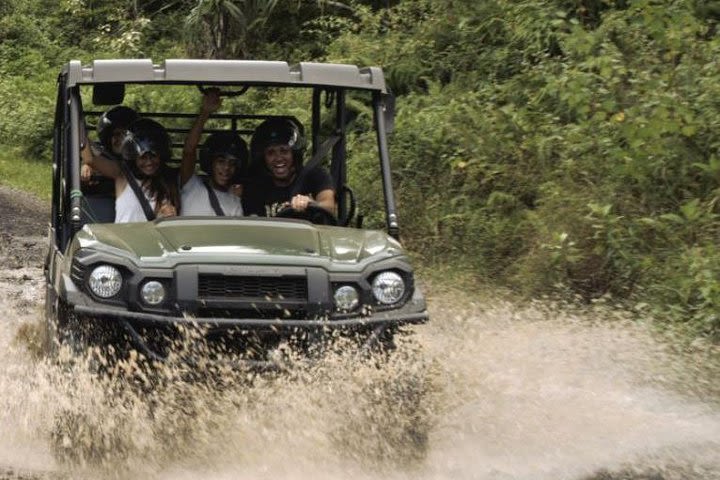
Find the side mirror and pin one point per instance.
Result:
(108, 93)
(388, 101)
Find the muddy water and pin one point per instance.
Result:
(540, 393)
(489, 390)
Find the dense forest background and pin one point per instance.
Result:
(563, 147)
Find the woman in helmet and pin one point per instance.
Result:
(111, 128)
(221, 158)
(277, 149)
(144, 184)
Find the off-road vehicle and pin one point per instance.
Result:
(246, 282)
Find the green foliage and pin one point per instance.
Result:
(26, 84)
(557, 146)
(226, 25)
(31, 176)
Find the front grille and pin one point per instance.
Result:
(263, 313)
(261, 288)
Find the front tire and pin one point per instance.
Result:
(62, 329)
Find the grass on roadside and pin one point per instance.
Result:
(19, 172)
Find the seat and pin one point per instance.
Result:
(98, 208)
(98, 204)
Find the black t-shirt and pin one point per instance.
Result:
(262, 197)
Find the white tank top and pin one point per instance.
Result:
(127, 206)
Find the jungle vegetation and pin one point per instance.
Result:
(561, 147)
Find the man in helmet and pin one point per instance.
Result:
(222, 157)
(277, 149)
(145, 187)
(111, 128)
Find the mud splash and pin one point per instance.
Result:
(342, 413)
(489, 390)
(540, 393)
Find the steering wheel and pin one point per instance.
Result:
(313, 213)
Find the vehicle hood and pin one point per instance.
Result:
(237, 239)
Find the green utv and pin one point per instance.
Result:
(247, 283)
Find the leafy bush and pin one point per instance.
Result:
(558, 146)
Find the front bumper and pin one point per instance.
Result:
(224, 308)
(133, 324)
(395, 317)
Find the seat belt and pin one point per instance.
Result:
(144, 203)
(314, 162)
(214, 202)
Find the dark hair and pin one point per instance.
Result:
(148, 136)
(225, 144)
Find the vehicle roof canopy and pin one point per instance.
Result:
(254, 72)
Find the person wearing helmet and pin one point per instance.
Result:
(111, 128)
(145, 151)
(221, 158)
(277, 149)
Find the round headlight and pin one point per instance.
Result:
(346, 298)
(105, 281)
(153, 292)
(388, 288)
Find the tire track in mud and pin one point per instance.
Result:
(490, 389)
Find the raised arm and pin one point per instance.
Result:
(211, 102)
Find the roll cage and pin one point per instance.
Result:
(330, 84)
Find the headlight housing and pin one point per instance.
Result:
(105, 281)
(388, 287)
(153, 293)
(346, 298)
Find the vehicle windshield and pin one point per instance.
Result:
(257, 151)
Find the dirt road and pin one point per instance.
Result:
(490, 389)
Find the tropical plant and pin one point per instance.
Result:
(223, 27)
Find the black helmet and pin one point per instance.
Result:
(116, 117)
(143, 136)
(224, 144)
(278, 131)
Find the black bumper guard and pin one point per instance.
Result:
(377, 323)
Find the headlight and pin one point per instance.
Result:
(388, 287)
(153, 292)
(346, 298)
(105, 281)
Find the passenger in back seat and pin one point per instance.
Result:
(111, 129)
